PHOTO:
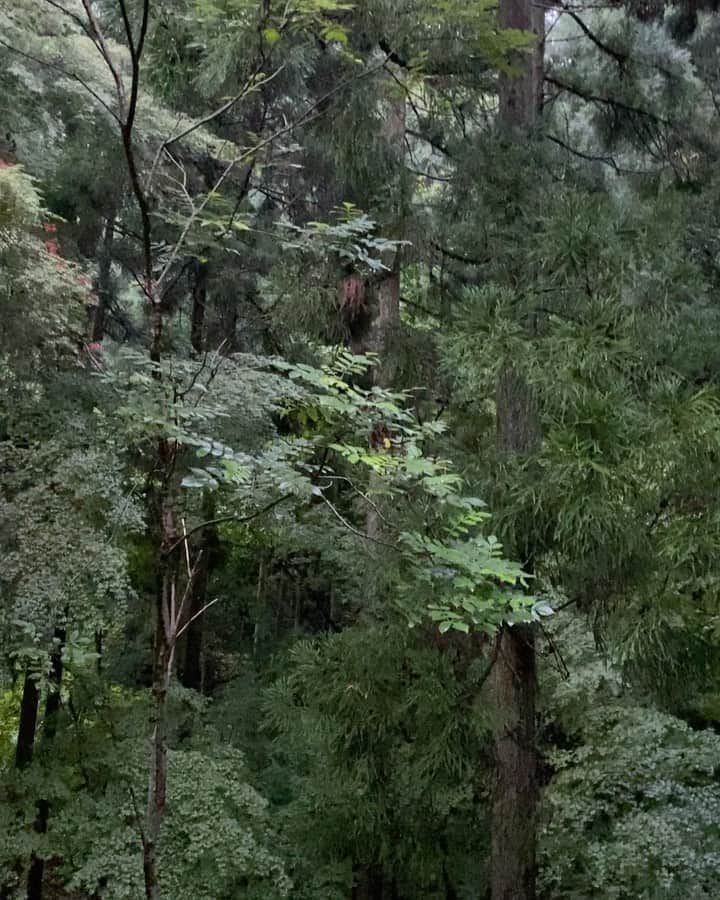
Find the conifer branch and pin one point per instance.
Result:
(612, 102)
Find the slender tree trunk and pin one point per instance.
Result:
(260, 600)
(29, 705)
(386, 309)
(199, 306)
(52, 707)
(163, 657)
(104, 289)
(386, 318)
(513, 678)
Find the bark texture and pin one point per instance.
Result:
(513, 677)
(520, 94)
(515, 795)
(513, 689)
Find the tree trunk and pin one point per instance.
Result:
(386, 310)
(513, 679)
(163, 654)
(29, 705)
(199, 306)
(513, 686)
(512, 872)
(520, 94)
(104, 290)
(24, 752)
(52, 707)
(368, 883)
(191, 674)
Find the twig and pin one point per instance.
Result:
(64, 72)
(620, 58)
(605, 101)
(197, 615)
(226, 107)
(187, 549)
(308, 116)
(359, 493)
(351, 528)
(562, 665)
(229, 518)
(98, 39)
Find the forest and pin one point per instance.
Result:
(359, 449)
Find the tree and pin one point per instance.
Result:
(513, 679)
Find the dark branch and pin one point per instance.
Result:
(620, 58)
(611, 102)
(433, 141)
(59, 69)
(605, 160)
(229, 518)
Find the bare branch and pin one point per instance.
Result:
(98, 39)
(605, 160)
(619, 57)
(229, 518)
(360, 493)
(71, 15)
(351, 528)
(64, 72)
(309, 115)
(135, 56)
(197, 615)
(128, 29)
(187, 551)
(605, 101)
(247, 89)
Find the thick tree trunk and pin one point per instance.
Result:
(513, 678)
(520, 94)
(515, 795)
(517, 425)
(513, 688)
